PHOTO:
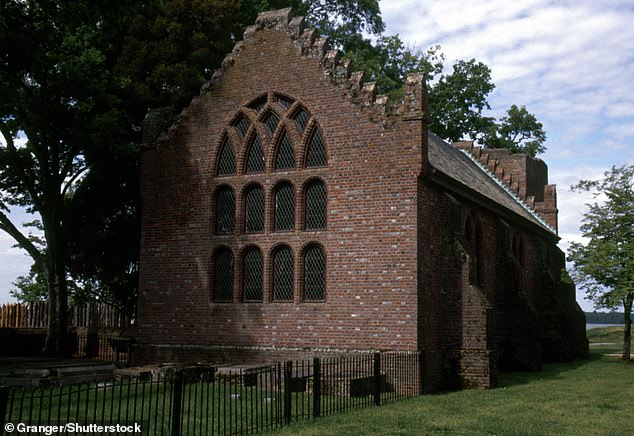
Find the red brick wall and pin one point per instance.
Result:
(370, 240)
(410, 263)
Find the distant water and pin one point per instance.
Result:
(594, 326)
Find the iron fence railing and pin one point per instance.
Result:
(213, 400)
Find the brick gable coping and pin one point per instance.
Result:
(462, 168)
(157, 130)
(523, 177)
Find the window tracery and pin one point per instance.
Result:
(272, 133)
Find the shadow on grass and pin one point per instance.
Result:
(555, 371)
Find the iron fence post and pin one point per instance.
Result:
(421, 373)
(288, 374)
(4, 399)
(377, 379)
(177, 399)
(316, 387)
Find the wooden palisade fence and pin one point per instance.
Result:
(95, 330)
(35, 315)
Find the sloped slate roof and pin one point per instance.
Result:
(461, 168)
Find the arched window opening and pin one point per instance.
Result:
(255, 157)
(283, 274)
(285, 159)
(226, 159)
(252, 275)
(223, 276)
(314, 274)
(225, 211)
(315, 205)
(284, 101)
(468, 235)
(254, 209)
(242, 124)
(271, 121)
(284, 207)
(301, 117)
(258, 104)
(316, 150)
(518, 249)
(479, 254)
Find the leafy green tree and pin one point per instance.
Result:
(604, 265)
(76, 79)
(170, 48)
(57, 89)
(342, 21)
(30, 288)
(519, 132)
(457, 102)
(388, 62)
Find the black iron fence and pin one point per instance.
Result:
(212, 400)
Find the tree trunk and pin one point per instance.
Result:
(55, 272)
(627, 331)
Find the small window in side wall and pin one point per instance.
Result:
(226, 159)
(284, 207)
(223, 276)
(315, 205)
(314, 274)
(283, 274)
(254, 209)
(253, 273)
(225, 211)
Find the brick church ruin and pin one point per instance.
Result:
(291, 212)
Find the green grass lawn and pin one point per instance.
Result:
(589, 397)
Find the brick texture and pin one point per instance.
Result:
(411, 264)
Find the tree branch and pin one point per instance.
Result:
(7, 226)
(22, 173)
(72, 179)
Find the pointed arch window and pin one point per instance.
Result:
(301, 117)
(315, 151)
(284, 207)
(284, 101)
(252, 275)
(242, 125)
(254, 209)
(255, 157)
(283, 274)
(258, 104)
(315, 205)
(223, 276)
(479, 254)
(285, 159)
(271, 121)
(314, 274)
(225, 210)
(226, 159)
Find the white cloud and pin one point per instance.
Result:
(14, 261)
(571, 62)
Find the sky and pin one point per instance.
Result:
(571, 63)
